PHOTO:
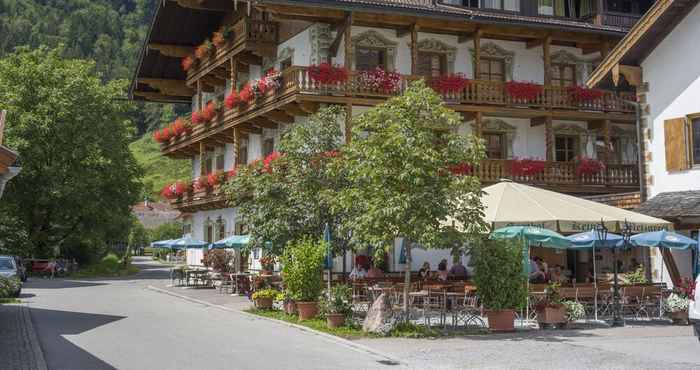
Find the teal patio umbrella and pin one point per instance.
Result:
(232, 242)
(184, 243)
(531, 235)
(162, 243)
(667, 239)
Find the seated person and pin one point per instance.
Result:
(458, 270)
(374, 272)
(442, 270)
(358, 272)
(424, 271)
(536, 275)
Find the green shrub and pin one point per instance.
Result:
(302, 266)
(338, 300)
(498, 274)
(110, 263)
(8, 286)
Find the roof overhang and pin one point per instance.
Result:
(177, 27)
(642, 39)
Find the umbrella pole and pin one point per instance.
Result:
(595, 288)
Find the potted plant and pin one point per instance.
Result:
(677, 302)
(288, 305)
(263, 298)
(267, 264)
(500, 281)
(302, 266)
(574, 311)
(336, 305)
(551, 310)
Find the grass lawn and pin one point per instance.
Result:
(350, 332)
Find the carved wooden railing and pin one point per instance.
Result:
(476, 92)
(559, 173)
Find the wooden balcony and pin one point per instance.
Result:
(562, 176)
(477, 92)
(558, 176)
(258, 37)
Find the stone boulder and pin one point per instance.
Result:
(379, 316)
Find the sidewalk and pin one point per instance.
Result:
(19, 346)
(208, 295)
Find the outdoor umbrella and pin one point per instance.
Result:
(161, 243)
(667, 239)
(590, 239)
(232, 242)
(188, 242)
(531, 235)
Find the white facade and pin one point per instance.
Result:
(672, 72)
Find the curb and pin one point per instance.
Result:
(338, 340)
(32, 338)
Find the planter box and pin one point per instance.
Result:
(680, 317)
(501, 321)
(552, 316)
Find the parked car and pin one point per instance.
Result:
(21, 268)
(694, 308)
(9, 269)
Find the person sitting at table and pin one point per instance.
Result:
(424, 271)
(442, 270)
(458, 270)
(374, 271)
(358, 272)
(536, 275)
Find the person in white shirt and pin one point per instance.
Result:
(358, 272)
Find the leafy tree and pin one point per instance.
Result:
(498, 274)
(78, 178)
(291, 194)
(402, 166)
(166, 231)
(138, 237)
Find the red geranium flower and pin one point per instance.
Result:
(178, 127)
(232, 100)
(197, 118)
(214, 179)
(246, 94)
(325, 73)
(209, 112)
(201, 183)
(462, 169)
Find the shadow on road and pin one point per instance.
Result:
(60, 353)
(59, 284)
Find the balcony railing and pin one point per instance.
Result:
(561, 174)
(476, 92)
(255, 34)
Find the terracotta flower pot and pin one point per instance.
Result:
(290, 307)
(501, 320)
(307, 310)
(263, 303)
(335, 320)
(680, 317)
(552, 315)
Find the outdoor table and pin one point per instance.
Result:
(195, 275)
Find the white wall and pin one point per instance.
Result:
(673, 73)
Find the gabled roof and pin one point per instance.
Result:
(644, 37)
(673, 205)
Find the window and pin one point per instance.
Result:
(186, 229)
(285, 64)
(370, 58)
(609, 155)
(268, 146)
(220, 160)
(208, 163)
(432, 64)
(241, 229)
(566, 148)
(510, 5)
(242, 155)
(695, 141)
(209, 233)
(492, 69)
(221, 232)
(563, 75)
(495, 145)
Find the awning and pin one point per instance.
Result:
(511, 204)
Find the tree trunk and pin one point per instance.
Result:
(407, 280)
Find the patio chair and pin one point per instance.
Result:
(434, 307)
(226, 284)
(632, 302)
(467, 311)
(652, 300)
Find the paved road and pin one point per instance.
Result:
(108, 324)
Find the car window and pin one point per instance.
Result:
(7, 264)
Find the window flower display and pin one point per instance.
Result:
(523, 91)
(203, 50)
(589, 166)
(232, 100)
(380, 80)
(583, 95)
(463, 169)
(527, 167)
(450, 84)
(325, 73)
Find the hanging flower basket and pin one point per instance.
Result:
(203, 50)
(327, 74)
(380, 80)
(581, 94)
(174, 190)
(246, 94)
(527, 167)
(187, 63)
(589, 166)
(210, 111)
(523, 92)
(450, 84)
(463, 169)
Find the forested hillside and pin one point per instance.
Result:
(110, 32)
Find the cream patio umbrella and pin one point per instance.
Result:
(511, 204)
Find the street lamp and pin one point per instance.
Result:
(602, 234)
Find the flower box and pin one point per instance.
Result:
(523, 92)
(589, 167)
(581, 94)
(379, 81)
(527, 167)
(552, 315)
(450, 84)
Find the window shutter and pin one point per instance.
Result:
(676, 144)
